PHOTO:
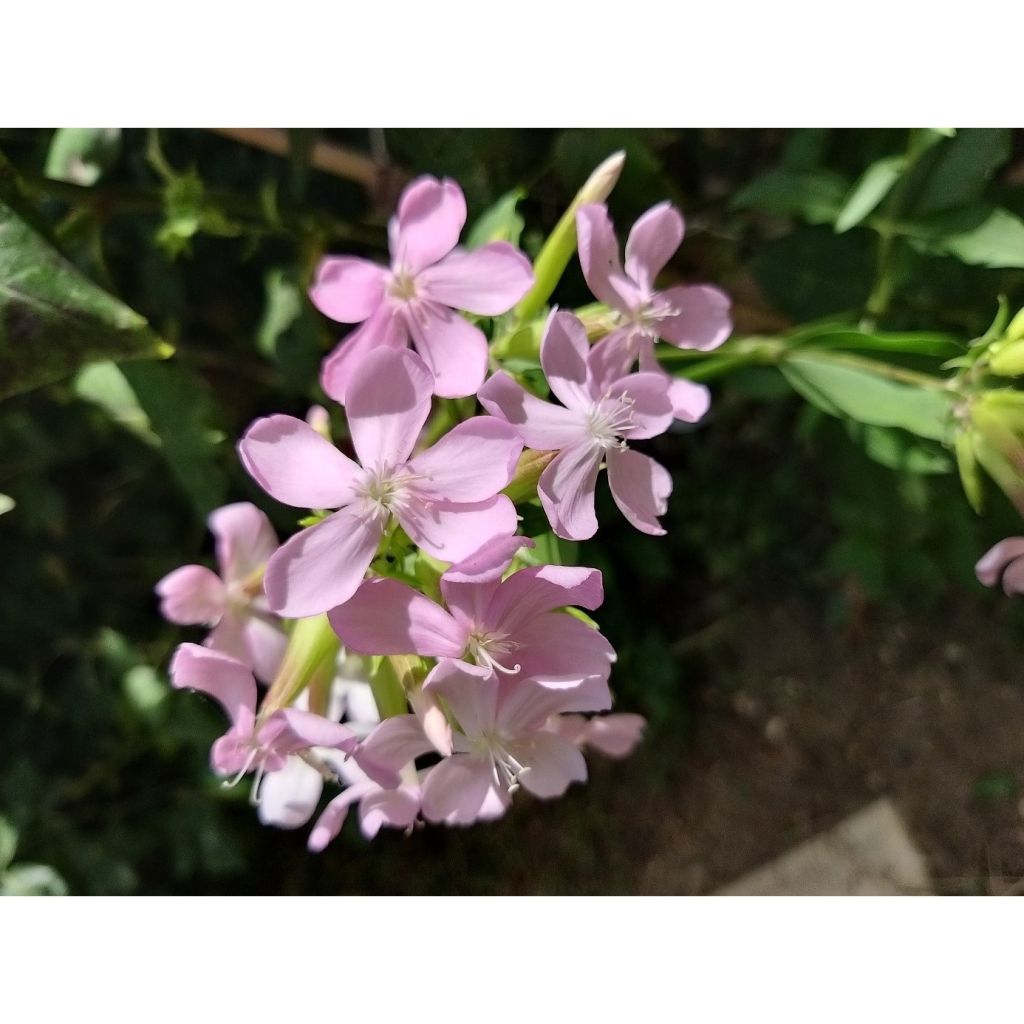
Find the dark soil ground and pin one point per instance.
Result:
(796, 728)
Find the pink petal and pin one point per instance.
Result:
(599, 253)
(994, 563)
(561, 652)
(690, 401)
(653, 240)
(297, 466)
(563, 354)
(542, 588)
(650, 406)
(566, 490)
(387, 404)
(525, 706)
(473, 699)
(472, 462)
(552, 764)
(347, 289)
(385, 329)
(615, 735)
(613, 357)
(397, 741)
(192, 595)
(453, 348)
(543, 426)
(488, 564)
(487, 281)
(288, 797)
(704, 320)
(395, 808)
(297, 730)
(244, 539)
(227, 681)
(257, 641)
(431, 216)
(388, 617)
(321, 567)
(640, 487)
(451, 532)
(329, 823)
(456, 791)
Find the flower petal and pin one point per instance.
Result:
(288, 798)
(387, 404)
(551, 764)
(704, 320)
(397, 741)
(348, 289)
(566, 490)
(651, 243)
(395, 808)
(227, 681)
(640, 487)
(614, 736)
(244, 539)
(487, 281)
(329, 824)
(613, 357)
(599, 253)
(451, 531)
(385, 329)
(295, 465)
(650, 407)
(453, 348)
(431, 216)
(563, 354)
(488, 564)
(690, 401)
(473, 699)
(192, 595)
(539, 589)
(994, 563)
(321, 567)
(387, 617)
(257, 641)
(456, 791)
(472, 462)
(560, 651)
(294, 729)
(542, 425)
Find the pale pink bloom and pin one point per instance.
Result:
(1003, 564)
(614, 736)
(416, 298)
(445, 498)
(687, 316)
(602, 408)
(232, 603)
(254, 743)
(501, 743)
(510, 627)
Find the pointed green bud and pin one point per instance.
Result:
(967, 463)
(528, 470)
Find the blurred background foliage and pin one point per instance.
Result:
(193, 240)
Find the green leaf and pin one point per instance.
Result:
(868, 398)
(53, 319)
(6, 503)
(961, 169)
(500, 223)
(918, 343)
(81, 155)
(871, 188)
(105, 385)
(814, 195)
(984, 236)
(179, 410)
(8, 843)
(32, 880)
(896, 449)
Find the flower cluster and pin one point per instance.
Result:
(420, 660)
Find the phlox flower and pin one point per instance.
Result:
(233, 602)
(507, 627)
(687, 316)
(417, 296)
(445, 498)
(1003, 564)
(601, 408)
(254, 743)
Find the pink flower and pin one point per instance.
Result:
(417, 296)
(1004, 564)
(687, 316)
(233, 602)
(614, 736)
(509, 627)
(253, 743)
(501, 743)
(446, 498)
(602, 407)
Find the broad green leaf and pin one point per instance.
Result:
(871, 188)
(179, 411)
(500, 223)
(105, 385)
(53, 319)
(918, 343)
(814, 195)
(961, 168)
(896, 449)
(868, 398)
(81, 155)
(984, 236)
